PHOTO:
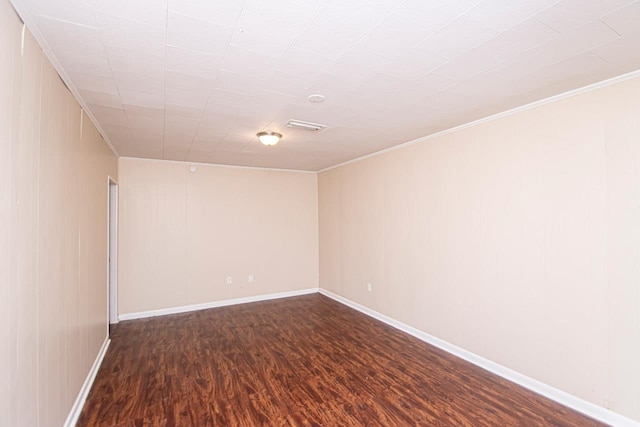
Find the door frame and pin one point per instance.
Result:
(112, 251)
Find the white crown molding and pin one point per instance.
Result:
(590, 409)
(535, 104)
(29, 21)
(184, 162)
(214, 304)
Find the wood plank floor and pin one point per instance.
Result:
(303, 361)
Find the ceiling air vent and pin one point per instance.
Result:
(299, 124)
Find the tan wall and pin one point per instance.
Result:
(517, 239)
(53, 213)
(181, 233)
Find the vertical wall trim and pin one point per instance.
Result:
(24, 29)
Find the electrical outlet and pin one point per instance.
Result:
(250, 278)
(229, 280)
(369, 287)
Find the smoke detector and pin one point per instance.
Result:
(299, 124)
(316, 98)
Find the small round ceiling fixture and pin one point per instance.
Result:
(269, 138)
(316, 98)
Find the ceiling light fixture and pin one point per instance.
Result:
(269, 138)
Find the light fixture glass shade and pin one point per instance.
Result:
(269, 138)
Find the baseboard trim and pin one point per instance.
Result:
(590, 409)
(214, 304)
(76, 409)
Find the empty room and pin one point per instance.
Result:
(319, 213)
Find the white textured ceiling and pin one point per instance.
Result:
(196, 79)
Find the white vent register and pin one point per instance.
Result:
(299, 124)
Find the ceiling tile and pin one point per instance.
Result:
(365, 14)
(272, 100)
(207, 140)
(457, 38)
(94, 83)
(501, 15)
(122, 138)
(359, 64)
(180, 124)
(291, 84)
(520, 38)
(133, 35)
(568, 74)
(393, 36)
(208, 145)
(569, 14)
(330, 38)
(303, 63)
(110, 116)
(95, 64)
(145, 128)
(177, 140)
(145, 138)
(617, 53)
(216, 12)
(289, 12)
(151, 151)
(190, 33)
(191, 62)
(434, 15)
(225, 98)
(195, 100)
(178, 153)
(187, 82)
(129, 60)
(76, 11)
(140, 99)
(102, 99)
(152, 12)
(576, 41)
(137, 111)
(182, 110)
(127, 150)
(142, 83)
(413, 64)
(239, 83)
(468, 65)
(432, 83)
(211, 133)
(198, 156)
(69, 38)
(270, 36)
(625, 21)
(334, 85)
(246, 62)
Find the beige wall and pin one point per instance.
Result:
(517, 239)
(181, 233)
(53, 211)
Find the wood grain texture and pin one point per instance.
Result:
(302, 361)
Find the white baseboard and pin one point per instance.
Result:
(76, 409)
(214, 304)
(590, 409)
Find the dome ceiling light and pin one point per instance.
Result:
(269, 138)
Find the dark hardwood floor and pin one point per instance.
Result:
(303, 361)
